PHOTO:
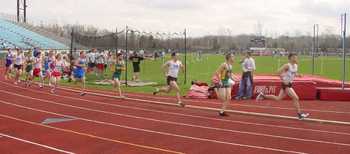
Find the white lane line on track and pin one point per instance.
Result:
(155, 132)
(187, 100)
(188, 115)
(87, 135)
(37, 144)
(233, 104)
(183, 124)
(229, 111)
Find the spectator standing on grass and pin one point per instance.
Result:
(246, 84)
(91, 58)
(100, 61)
(136, 59)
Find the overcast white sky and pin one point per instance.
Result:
(201, 17)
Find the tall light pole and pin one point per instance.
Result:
(126, 55)
(343, 31)
(315, 45)
(185, 36)
(71, 55)
(116, 42)
(22, 10)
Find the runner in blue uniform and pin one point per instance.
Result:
(79, 71)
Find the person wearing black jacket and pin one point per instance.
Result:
(136, 60)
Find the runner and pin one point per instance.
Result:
(224, 82)
(29, 68)
(47, 61)
(119, 67)
(110, 61)
(10, 57)
(56, 68)
(18, 65)
(66, 73)
(37, 68)
(172, 68)
(136, 60)
(287, 73)
(79, 71)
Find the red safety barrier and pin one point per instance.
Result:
(323, 82)
(334, 94)
(306, 90)
(307, 87)
(271, 85)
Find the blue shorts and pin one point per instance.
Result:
(8, 63)
(79, 73)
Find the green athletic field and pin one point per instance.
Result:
(330, 67)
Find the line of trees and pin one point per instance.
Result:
(91, 36)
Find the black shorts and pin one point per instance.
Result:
(92, 65)
(218, 86)
(286, 85)
(136, 68)
(169, 79)
(18, 67)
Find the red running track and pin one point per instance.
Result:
(326, 110)
(107, 125)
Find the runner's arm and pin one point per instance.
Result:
(283, 69)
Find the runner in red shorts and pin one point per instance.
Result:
(37, 69)
(56, 71)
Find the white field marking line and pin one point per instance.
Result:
(184, 124)
(231, 104)
(193, 116)
(84, 134)
(229, 111)
(37, 144)
(154, 132)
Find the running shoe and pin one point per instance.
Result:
(82, 93)
(181, 104)
(238, 98)
(246, 98)
(53, 91)
(156, 92)
(302, 116)
(223, 114)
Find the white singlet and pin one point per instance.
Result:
(289, 75)
(174, 68)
